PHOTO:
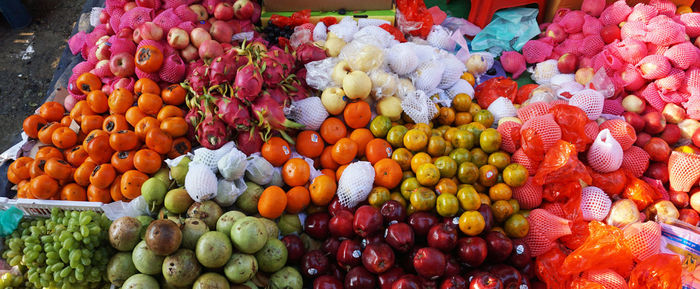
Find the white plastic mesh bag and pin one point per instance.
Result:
(502, 107)
(309, 111)
(200, 182)
(426, 52)
(440, 97)
(461, 86)
(605, 154)
(318, 73)
(259, 170)
(232, 165)
(453, 70)
(210, 158)
(418, 107)
(560, 79)
(355, 183)
(404, 87)
(364, 22)
(376, 36)
(590, 101)
(362, 56)
(428, 75)
(227, 192)
(544, 71)
(595, 204)
(383, 83)
(441, 38)
(402, 58)
(320, 31)
(345, 29)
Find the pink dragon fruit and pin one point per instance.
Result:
(199, 77)
(278, 94)
(284, 58)
(272, 72)
(221, 70)
(211, 132)
(297, 91)
(249, 143)
(309, 52)
(270, 115)
(233, 113)
(301, 75)
(248, 82)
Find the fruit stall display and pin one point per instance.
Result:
(357, 154)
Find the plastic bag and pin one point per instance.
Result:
(523, 93)
(496, 87)
(376, 36)
(532, 145)
(362, 56)
(572, 121)
(602, 83)
(603, 249)
(612, 183)
(276, 177)
(232, 165)
(9, 219)
(134, 208)
(383, 83)
(582, 283)
(418, 106)
(394, 32)
(227, 192)
(579, 234)
(461, 24)
(561, 165)
(509, 29)
(640, 192)
(661, 270)
(259, 170)
(318, 73)
(413, 17)
(683, 240)
(547, 268)
(345, 30)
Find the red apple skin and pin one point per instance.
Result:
(295, 248)
(658, 171)
(122, 64)
(378, 258)
(442, 237)
(429, 262)
(485, 281)
(389, 277)
(454, 282)
(689, 216)
(635, 120)
(367, 221)
(407, 282)
(520, 256)
(146, 3)
(340, 225)
(349, 254)
(657, 149)
(673, 113)
(472, 251)
(567, 63)
(642, 139)
(696, 138)
(679, 199)
(507, 274)
(452, 266)
(499, 246)
(393, 211)
(672, 134)
(327, 282)
(314, 264)
(400, 236)
(316, 225)
(336, 206)
(485, 211)
(654, 122)
(422, 222)
(223, 11)
(330, 246)
(610, 33)
(359, 278)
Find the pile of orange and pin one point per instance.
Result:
(106, 146)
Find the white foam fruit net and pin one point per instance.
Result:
(402, 59)
(210, 158)
(636, 161)
(590, 101)
(461, 86)
(345, 29)
(644, 239)
(608, 278)
(545, 229)
(375, 35)
(440, 37)
(453, 70)
(622, 131)
(595, 204)
(232, 165)
(383, 83)
(502, 107)
(605, 154)
(355, 183)
(200, 182)
(418, 106)
(683, 171)
(309, 111)
(428, 75)
(544, 71)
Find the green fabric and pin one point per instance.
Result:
(456, 8)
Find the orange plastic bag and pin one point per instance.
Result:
(661, 271)
(612, 183)
(561, 165)
(524, 93)
(547, 268)
(416, 19)
(572, 121)
(532, 145)
(582, 283)
(579, 234)
(640, 192)
(603, 249)
(496, 87)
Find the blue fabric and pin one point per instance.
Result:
(509, 30)
(9, 219)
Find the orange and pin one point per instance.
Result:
(344, 151)
(387, 173)
(361, 136)
(73, 192)
(339, 172)
(276, 151)
(378, 149)
(272, 202)
(333, 129)
(403, 157)
(357, 114)
(446, 186)
(327, 161)
(296, 172)
(328, 172)
(297, 199)
(471, 223)
(322, 190)
(309, 144)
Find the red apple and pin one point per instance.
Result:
(428, 283)
(327, 282)
(400, 236)
(335, 206)
(689, 216)
(104, 17)
(679, 199)
(190, 53)
(336, 271)
(696, 138)
(125, 32)
(454, 282)
(654, 122)
(136, 36)
(221, 31)
(499, 246)
(556, 32)
(295, 248)
(567, 63)
(103, 65)
(695, 199)
(673, 113)
(199, 35)
(658, 171)
(672, 134)
(635, 120)
(657, 149)
(407, 282)
(146, 3)
(122, 64)
(472, 251)
(633, 103)
(610, 33)
(452, 266)
(341, 224)
(485, 211)
(642, 139)
(178, 38)
(429, 263)
(129, 5)
(393, 211)
(223, 11)
(422, 222)
(442, 237)
(520, 256)
(378, 258)
(151, 31)
(200, 11)
(485, 281)
(103, 52)
(359, 278)
(367, 220)
(314, 264)
(243, 9)
(374, 238)
(510, 277)
(316, 225)
(584, 75)
(349, 254)
(388, 278)
(330, 246)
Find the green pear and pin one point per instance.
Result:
(177, 201)
(180, 171)
(153, 191)
(163, 175)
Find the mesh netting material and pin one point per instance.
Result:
(572, 22)
(187, 26)
(591, 129)
(656, 49)
(664, 31)
(554, 209)
(536, 51)
(529, 195)
(173, 69)
(605, 154)
(453, 71)
(608, 278)
(682, 55)
(519, 157)
(545, 229)
(142, 74)
(510, 135)
(654, 66)
(558, 101)
(402, 58)
(569, 46)
(355, 183)
(651, 94)
(461, 86)
(635, 160)
(692, 80)
(129, 86)
(692, 23)
(210, 158)
(320, 31)
(631, 50)
(167, 19)
(590, 101)
(82, 67)
(502, 107)
(664, 7)
(76, 42)
(644, 239)
(544, 71)
(633, 30)
(591, 25)
(683, 171)
(418, 106)
(591, 45)
(593, 7)
(102, 71)
(533, 110)
(613, 106)
(692, 106)
(673, 96)
(671, 82)
(643, 13)
(119, 45)
(615, 13)
(92, 56)
(428, 75)
(440, 37)
(309, 111)
(611, 61)
(595, 204)
(631, 78)
(135, 17)
(513, 62)
(546, 128)
(200, 182)
(184, 13)
(622, 131)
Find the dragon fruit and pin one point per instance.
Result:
(233, 113)
(198, 79)
(270, 116)
(273, 73)
(298, 90)
(283, 57)
(278, 94)
(221, 70)
(248, 82)
(249, 143)
(211, 132)
(309, 52)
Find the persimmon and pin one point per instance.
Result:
(58, 169)
(66, 120)
(48, 152)
(43, 187)
(133, 115)
(180, 147)
(276, 151)
(131, 182)
(98, 101)
(52, 111)
(120, 100)
(150, 103)
(20, 167)
(46, 132)
(92, 135)
(147, 161)
(73, 192)
(64, 137)
(90, 123)
(174, 126)
(158, 141)
(32, 124)
(115, 191)
(79, 110)
(88, 82)
(149, 58)
(76, 155)
(145, 85)
(123, 161)
(146, 124)
(102, 176)
(173, 94)
(123, 140)
(95, 194)
(114, 123)
(13, 178)
(81, 176)
(98, 148)
(168, 111)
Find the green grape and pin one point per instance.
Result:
(84, 231)
(77, 236)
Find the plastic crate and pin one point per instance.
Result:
(42, 208)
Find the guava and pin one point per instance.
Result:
(248, 201)
(241, 268)
(124, 233)
(140, 281)
(286, 278)
(191, 231)
(227, 220)
(271, 227)
(211, 281)
(273, 256)
(181, 268)
(249, 235)
(145, 260)
(213, 249)
(289, 224)
(120, 268)
(207, 211)
(177, 201)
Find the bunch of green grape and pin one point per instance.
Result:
(9, 280)
(68, 250)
